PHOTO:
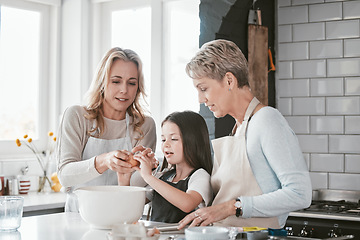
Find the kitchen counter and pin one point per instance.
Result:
(43, 203)
(70, 226)
(60, 226)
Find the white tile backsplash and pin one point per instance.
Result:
(352, 86)
(308, 32)
(300, 125)
(352, 48)
(289, 15)
(342, 105)
(342, 29)
(310, 69)
(325, 12)
(352, 163)
(326, 49)
(284, 3)
(332, 66)
(351, 9)
(293, 51)
(307, 159)
(286, 69)
(327, 1)
(344, 143)
(294, 88)
(327, 163)
(285, 33)
(284, 106)
(343, 181)
(327, 124)
(308, 106)
(319, 180)
(343, 67)
(352, 125)
(326, 87)
(313, 143)
(302, 2)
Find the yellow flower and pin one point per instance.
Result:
(43, 157)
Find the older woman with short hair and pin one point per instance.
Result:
(259, 172)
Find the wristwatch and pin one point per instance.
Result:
(238, 207)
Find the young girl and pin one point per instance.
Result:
(185, 185)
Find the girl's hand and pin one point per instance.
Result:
(209, 215)
(146, 164)
(148, 152)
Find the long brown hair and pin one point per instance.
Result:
(95, 94)
(195, 139)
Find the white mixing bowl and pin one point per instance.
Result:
(207, 233)
(104, 206)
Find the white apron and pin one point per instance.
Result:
(232, 175)
(95, 147)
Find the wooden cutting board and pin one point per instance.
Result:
(258, 61)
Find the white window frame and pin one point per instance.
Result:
(48, 74)
(101, 43)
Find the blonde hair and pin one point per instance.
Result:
(215, 59)
(95, 94)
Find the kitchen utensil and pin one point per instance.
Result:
(258, 58)
(207, 233)
(104, 206)
(131, 231)
(169, 228)
(11, 209)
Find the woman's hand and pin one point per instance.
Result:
(115, 161)
(209, 215)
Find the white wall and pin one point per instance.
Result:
(318, 85)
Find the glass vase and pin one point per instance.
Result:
(44, 183)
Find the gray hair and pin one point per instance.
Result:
(215, 59)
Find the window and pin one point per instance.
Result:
(135, 36)
(165, 34)
(24, 74)
(181, 26)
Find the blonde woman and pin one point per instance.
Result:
(96, 140)
(259, 172)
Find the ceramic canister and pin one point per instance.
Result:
(24, 185)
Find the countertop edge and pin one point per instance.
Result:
(324, 216)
